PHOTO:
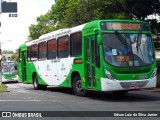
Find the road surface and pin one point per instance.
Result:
(22, 97)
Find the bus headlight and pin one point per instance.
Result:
(154, 73)
(109, 75)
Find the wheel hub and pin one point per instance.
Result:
(35, 84)
(79, 85)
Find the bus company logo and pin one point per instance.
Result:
(6, 114)
(48, 69)
(134, 76)
(63, 68)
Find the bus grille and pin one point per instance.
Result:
(128, 84)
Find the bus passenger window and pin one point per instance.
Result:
(28, 53)
(76, 44)
(42, 51)
(51, 49)
(63, 47)
(34, 52)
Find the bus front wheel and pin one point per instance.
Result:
(77, 87)
(36, 84)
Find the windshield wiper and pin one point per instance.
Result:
(121, 38)
(139, 38)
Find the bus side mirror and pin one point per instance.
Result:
(99, 39)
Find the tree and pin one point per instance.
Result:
(82, 11)
(155, 27)
(58, 12)
(42, 26)
(14, 57)
(140, 9)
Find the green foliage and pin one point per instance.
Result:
(42, 26)
(3, 88)
(76, 13)
(82, 11)
(14, 57)
(58, 11)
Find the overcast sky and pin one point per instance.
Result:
(16, 29)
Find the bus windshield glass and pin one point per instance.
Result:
(9, 68)
(126, 50)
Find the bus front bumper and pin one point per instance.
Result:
(114, 85)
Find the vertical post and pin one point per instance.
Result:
(0, 64)
(0, 45)
(0, 5)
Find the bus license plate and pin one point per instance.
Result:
(134, 87)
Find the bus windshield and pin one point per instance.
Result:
(9, 67)
(126, 50)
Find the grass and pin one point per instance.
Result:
(3, 88)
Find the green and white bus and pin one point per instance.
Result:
(9, 71)
(102, 55)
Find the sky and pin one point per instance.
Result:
(16, 28)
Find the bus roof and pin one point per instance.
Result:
(55, 34)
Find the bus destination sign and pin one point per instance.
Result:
(123, 26)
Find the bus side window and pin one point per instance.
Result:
(76, 44)
(28, 53)
(42, 51)
(34, 50)
(51, 49)
(63, 47)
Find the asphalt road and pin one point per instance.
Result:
(22, 97)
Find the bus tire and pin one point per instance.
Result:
(36, 84)
(77, 87)
(120, 93)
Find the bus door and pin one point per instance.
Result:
(92, 61)
(23, 59)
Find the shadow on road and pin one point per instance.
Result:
(137, 96)
(132, 96)
(10, 82)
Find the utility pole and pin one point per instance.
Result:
(0, 45)
(0, 65)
